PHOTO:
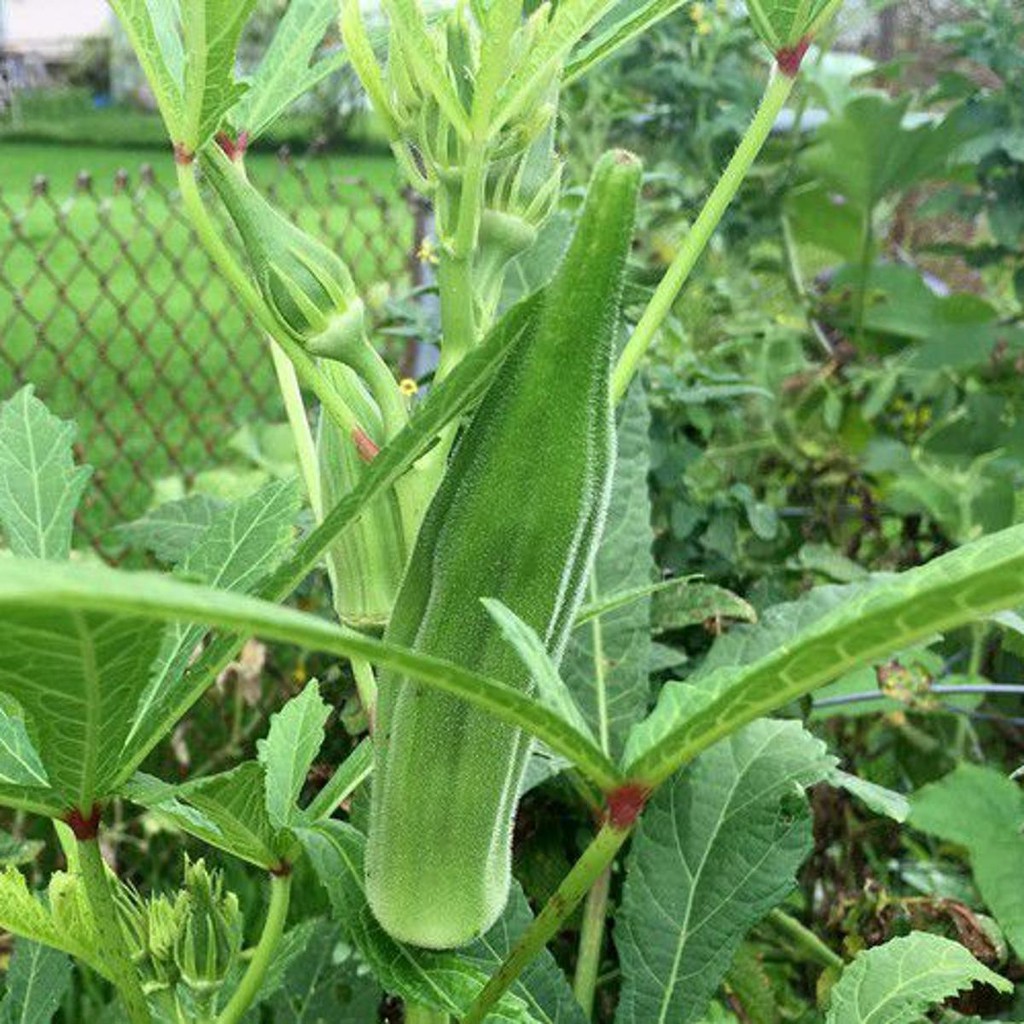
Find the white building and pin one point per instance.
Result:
(50, 29)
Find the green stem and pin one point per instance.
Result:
(592, 942)
(458, 326)
(804, 939)
(302, 435)
(270, 938)
(224, 260)
(415, 1014)
(108, 929)
(864, 273)
(774, 99)
(366, 687)
(597, 857)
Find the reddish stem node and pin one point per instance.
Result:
(626, 803)
(789, 58)
(365, 445)
(183, 156)
(84, 827)
(234, 148)
(282, 869)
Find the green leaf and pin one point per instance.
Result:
(16, 852)
(696, 602)
(876, 798)
(983, 810)
(347, 777)
(152, 27)
(19, 760)
(41, 590)
(542, 986)
(290, 67)
(296, 734)
(243, 544)
(171, 530)
(784, 23)
(551, 689)
(325, 982)
(40, 486)
(626, 22)
(896, 983)
(212, 29)
(444, 981)
(872, 619)
(607, 662)
(36, 982)
(228, 810)
(76, 675)
(718, 847)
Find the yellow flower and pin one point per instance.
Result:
(697, 13)
(427, 252)
(408, 387)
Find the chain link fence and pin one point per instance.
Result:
(111, 309)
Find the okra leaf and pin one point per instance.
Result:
(542, 985)
(171, 530)
(876, 798)
(36, 982)
(625, 23)
(899, 981)
(19, 760)
(785, 23)
(153, 29)
(211, 30)
(444, 981)
(867, 621)
(243, 544)
(551, 689)
(983, 810)
(695, 602)
(14, 852)
(296, 735)
(40, 486)
(718, 846)
(41, 591)
(74, 674)
(290, 66)
(228, 810)
(607, 661)
(348, 776)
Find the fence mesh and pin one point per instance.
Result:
(111, 309)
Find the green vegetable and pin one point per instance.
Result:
(517, 518)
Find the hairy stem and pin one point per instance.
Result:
(458, 322)
(597, 857)
(270, 938)
(592, 942)
(108, 929)
(774, 99)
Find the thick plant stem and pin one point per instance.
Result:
(804, 939)
(592, 942)
(458, 321)
(597, 857)
(415, 1014)
(108, 930)
(302, 435)
(774, 99)
(270, 938)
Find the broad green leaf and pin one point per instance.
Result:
(63, 922)
(457, 394)
(19, 760)
(876, 798)
(232, 810)
(36, 982)
(75, 674)
(445, 981)
(893, 612)
(898, 982)
(243, 544)
(212, 29)
(173, 529)
(41, 590)
(348, 776)
(695, 602)
(542, 986)
(40, 486)
(296, 734)
(983, 810)
(551, 688)
(325, 982)
(626, 22)
(784, 23)
(152, 27)
(290, 66)
(607, 661)
(718, 847)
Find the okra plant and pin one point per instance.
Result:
(488, 552)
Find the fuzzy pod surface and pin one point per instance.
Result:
(517, 517)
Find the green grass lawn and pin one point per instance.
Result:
(109, 307)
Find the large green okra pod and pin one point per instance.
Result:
(517, 518)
